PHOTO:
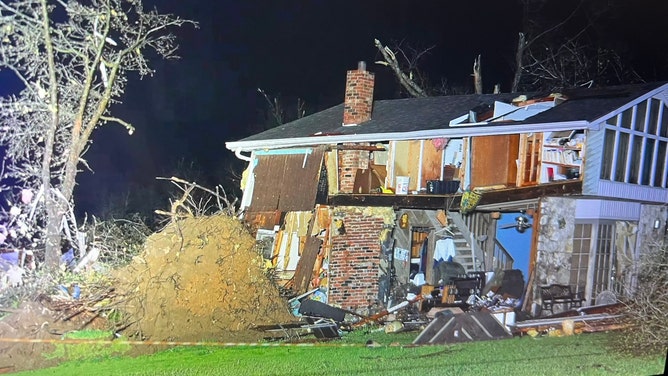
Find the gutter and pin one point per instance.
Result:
(237, 152)
(484, 129)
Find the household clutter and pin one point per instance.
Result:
(464, 307)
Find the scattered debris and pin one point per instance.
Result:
(394, 327)
(583, 320)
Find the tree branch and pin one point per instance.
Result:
(555, 26)
(391, 61)
(122, 122)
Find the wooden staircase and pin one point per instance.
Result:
(471, 258)
(469, 252)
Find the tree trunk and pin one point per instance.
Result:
(54, 215)
(519, 59)
(477, 75)
(53, 235)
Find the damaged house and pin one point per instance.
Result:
(365, 197)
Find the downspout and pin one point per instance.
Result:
(390, 180)
(469, 156)
(442, 163)
(250, 181)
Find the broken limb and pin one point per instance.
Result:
(388, 311)
(391, 61)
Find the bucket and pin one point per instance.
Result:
(568, 326)
(401, 187)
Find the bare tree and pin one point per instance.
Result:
(533, 32)
(566, 53)
(404, 61)
(575, 64)
(73, 60)
(277, 110)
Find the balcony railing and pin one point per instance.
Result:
(502, 259)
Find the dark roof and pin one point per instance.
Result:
(417, 114)
(592, 104)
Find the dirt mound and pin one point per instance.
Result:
(200, 279)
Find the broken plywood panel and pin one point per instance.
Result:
(419, 160)
(307, 260)
(332, 163)
(463, 327)
(432, 163)
(277, 177)
(263, 220)
(494, 160)
(290, 240)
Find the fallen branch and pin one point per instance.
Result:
(388, 311)
(188, 203)
(391, 61)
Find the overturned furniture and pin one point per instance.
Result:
(319, 319)
(463, 327)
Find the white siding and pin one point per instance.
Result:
(607, 209)
(592, 162)
(631, 191)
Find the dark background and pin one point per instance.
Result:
(302, 49)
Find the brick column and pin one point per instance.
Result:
(354, 261)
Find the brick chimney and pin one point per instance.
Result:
(359, 96)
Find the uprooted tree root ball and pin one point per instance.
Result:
(199, 279)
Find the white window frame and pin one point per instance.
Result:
(646, 152)
(593, 285)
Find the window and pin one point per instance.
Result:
(655, 114)
(636, 153)
(603, 258)
(658, 180)
(593, 260)
(580, 257)
(606, 159)
(648, 162)
(621, 159)
(635, 145)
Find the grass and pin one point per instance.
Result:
(585, 354)
(83, 351)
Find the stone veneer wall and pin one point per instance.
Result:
(555, 242)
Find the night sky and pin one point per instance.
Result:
(192, 106)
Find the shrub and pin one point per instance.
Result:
(648, 333)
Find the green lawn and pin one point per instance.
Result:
(585, 354)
